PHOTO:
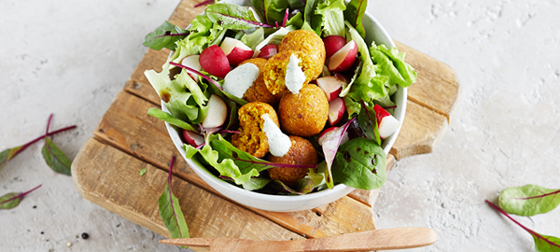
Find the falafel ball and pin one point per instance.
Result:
(258, 91)
(301, 153)
(304, 40)
(275, 70)
(252, 138)
(306, 113)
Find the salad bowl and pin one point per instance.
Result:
(289, 203)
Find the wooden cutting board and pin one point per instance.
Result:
(127, 140)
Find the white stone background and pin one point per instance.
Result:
(71, 58)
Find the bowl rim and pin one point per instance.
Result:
(203, 172)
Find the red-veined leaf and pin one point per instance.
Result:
(170, 210)
(11, 200)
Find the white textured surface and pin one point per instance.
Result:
(72, 57)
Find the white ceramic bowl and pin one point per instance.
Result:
(289, 203)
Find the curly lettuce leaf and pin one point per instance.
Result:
(253, 39)
(332, 12)
(391, 63)
(177, 97)
(203, 33)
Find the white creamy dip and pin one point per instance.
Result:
(278, 142)
(294, 75)
(240, 79)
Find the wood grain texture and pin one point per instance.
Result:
(127, 126)
(436, 86)
(429, 128)
(119, 188)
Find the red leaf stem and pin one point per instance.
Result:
(49, 124)
(21, 195)
(197, 73)
(521, 225)
(285, 17)
(204, 3)
(43, 136)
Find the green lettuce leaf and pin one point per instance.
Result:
(253, 39)
(203, 33)
(166, 117)
(256, 184)
(390, 62)
(332, 12)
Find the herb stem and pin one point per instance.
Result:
(20, 195)
(43, 136)
(521, 225)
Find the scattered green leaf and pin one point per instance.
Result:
(11, 200)
(56, 159)
(170, 210)
(529, 200)
(143, 171)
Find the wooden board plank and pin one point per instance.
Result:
(429, 128)
(127, 126)
(436, 87)
(119, 188)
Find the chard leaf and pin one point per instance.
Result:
(390, 63)
(368, 123)
(296, 20)
(170, 210)
(360, 163)
(255, 184)
(332, 12)
(330, 146)
(354, 13)
(271, 10)
(233, 17)
(166, 117)
(56, 159)
(8, 154)
(164, 36)
(296, 4)
(302, 186)
(543, 243)
(529, 200)
(11, 200)
(313, 20)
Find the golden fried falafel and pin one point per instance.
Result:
(258, 91)
(304, 40)
(275, 70)
(252, 138)
(302, 153)
(304, 114)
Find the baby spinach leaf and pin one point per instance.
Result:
(543, 243)
(170, 210)
(164, 36)
(360, 163)
(354, 13)
(529, 200)
(368, 123)
(166, 117)
(11, 200)
(233, 17)
(56, 159)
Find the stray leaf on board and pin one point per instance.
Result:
(143, 171)
(11, 200)
(54, 157)
(170, 210)
(543, 243)
(529, 200)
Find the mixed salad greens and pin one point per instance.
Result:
(352, 152)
